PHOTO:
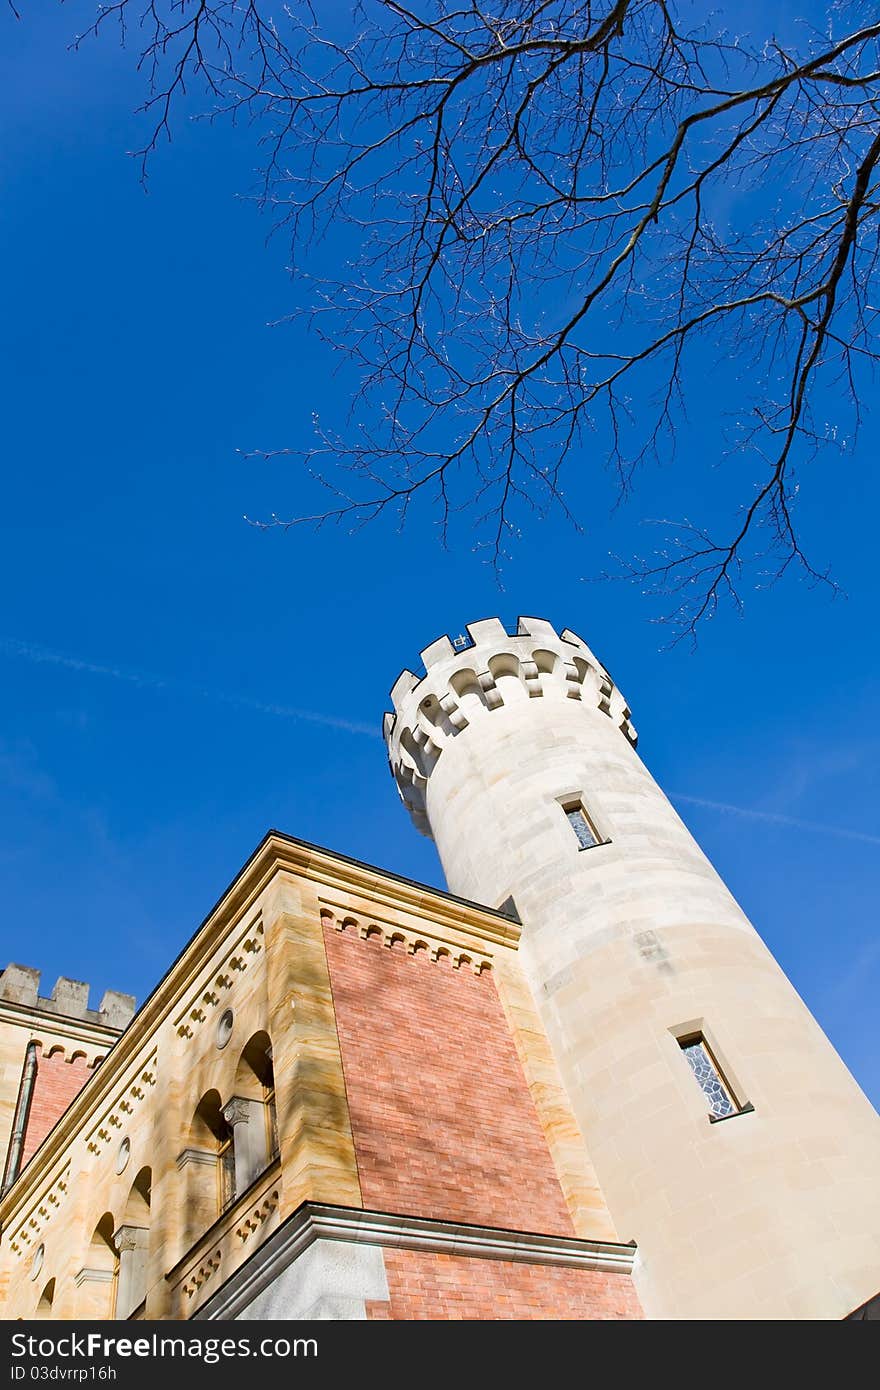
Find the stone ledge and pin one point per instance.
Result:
(313, 1221)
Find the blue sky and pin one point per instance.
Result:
(173, 682)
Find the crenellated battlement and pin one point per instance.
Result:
(468, 677)
(20, 984)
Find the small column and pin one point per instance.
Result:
(131, 1289)
(250, 1146)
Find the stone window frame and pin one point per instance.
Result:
(576, 800)
(697, 1031)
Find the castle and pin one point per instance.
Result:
(575, 1086)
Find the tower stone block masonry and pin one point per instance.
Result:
(729, 1139)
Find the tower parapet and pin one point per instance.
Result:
(466, 679)
(20, 984)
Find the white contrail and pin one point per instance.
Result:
(774, 818)
(45, 656)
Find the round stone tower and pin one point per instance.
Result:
(731, 1142)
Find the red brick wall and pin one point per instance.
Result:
(444, 1125)
(57, 1082)
(435, 1287)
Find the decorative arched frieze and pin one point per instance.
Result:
(118, 1114)
(416, 943)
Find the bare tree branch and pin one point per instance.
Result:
(562, 208)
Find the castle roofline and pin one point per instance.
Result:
(276, 852)
(68, 1004)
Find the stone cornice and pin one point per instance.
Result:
(277, 853)
(202, 1156)
(65, 1026)
(458, 948)
(93, 1276)
(349, 876)
(313, 1222)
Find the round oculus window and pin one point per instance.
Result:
(224, 1027)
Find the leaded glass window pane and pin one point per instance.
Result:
(710, 1082)
(226, 1161)
(581, 826)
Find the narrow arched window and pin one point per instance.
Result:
(96, 1279)
(47, 1298)
(207, 1165)
(131, 1242)
(251, 1112)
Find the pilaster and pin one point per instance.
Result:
(167, 1202)
(132, 1247)
(318, 1161)
(577, 1177)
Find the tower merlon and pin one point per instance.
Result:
(117, 1008)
